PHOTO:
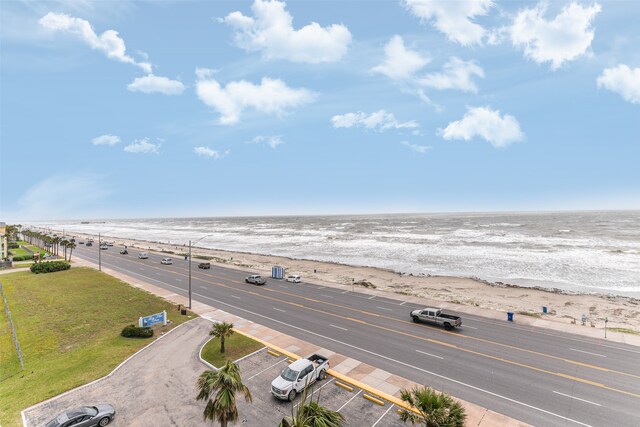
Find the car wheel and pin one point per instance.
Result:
(104, 421)
(447, 326)
(322, 375)
(292, 395)
(416, 319)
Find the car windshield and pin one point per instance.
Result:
(289, 374)
(91, 410)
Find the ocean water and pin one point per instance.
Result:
(574, 251)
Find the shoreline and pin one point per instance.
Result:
(449, 292)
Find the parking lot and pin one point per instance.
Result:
(261, 368)
(157, 387)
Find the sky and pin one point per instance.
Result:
(125, 109)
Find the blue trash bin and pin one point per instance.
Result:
(544, 310)
(510, 316)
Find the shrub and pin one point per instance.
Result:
(13, 245)
(50, 267)
(133, 331)
(22, 257)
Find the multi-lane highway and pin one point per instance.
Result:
(540, 377)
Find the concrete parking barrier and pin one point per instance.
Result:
(273, 353)
(344, 386)
(373, 399)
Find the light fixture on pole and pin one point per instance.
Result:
(190, 243)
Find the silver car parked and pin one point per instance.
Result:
(86, 416)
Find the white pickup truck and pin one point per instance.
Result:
(300, 374)
(435, 315)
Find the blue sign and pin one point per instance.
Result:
(153, 319)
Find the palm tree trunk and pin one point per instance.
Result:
(222, 344)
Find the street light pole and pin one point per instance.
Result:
(189, 274)
(99, 254)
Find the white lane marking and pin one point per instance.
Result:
(283, 286)
(321, 287)
(202, 287)
(429, 354)
(266, 369)
(178, 280)
(385, 413)
(384, 308)
(390, 359)
(339, 327)
(403, 303)
(371, 297)
(354, 396)
(142, 269)
(328, 296)
(577, 398)
(588, 352)
(344, 292)
(159, 274)
(469, 327)
(234, 296)
(279, 309)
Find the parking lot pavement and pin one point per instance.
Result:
(157, 387)
(261, 368)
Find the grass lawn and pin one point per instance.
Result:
(68, 324)
(235, 346)
(625, 330)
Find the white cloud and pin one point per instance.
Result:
(457, 74)
(272, 141)
(62, 196)
(143, 146)
(105, 140)
(151, 83)
(453, 17)
(400, 63)
(378, 121)
(487, 124)
(271, 96)
(565, 38)
(108, 42)
(417, 148)
(622, 80)
(271, 32)
(208, 152)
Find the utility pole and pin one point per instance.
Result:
(189, 274)
(99, 254)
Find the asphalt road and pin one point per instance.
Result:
(541, 378)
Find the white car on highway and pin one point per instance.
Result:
(294, 279)
(143, 255)
(166, 261)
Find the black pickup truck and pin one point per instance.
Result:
(204, 265)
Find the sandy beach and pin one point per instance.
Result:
(453, 293)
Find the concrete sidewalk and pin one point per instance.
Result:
(378, 381)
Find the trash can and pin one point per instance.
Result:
(510, 316)
(544, 310)
(183, 311)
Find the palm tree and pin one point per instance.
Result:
(221, 330)
(219, 389)
(65, 244)
(71, 246)
(311, 414)
(435, 409)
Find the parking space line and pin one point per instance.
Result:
(348, 401)
(317, 390)
(338, 327)
(429, 354)
(266, 369)
(383, 415)
(577, 398)
(279, 309)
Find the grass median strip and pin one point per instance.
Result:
(236, 346)
(68, 324)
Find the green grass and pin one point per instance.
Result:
(625, 330)
(68, 325)
(19, 252)
(236, 346)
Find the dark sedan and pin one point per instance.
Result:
(86, 416)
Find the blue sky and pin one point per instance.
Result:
(197, 108)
